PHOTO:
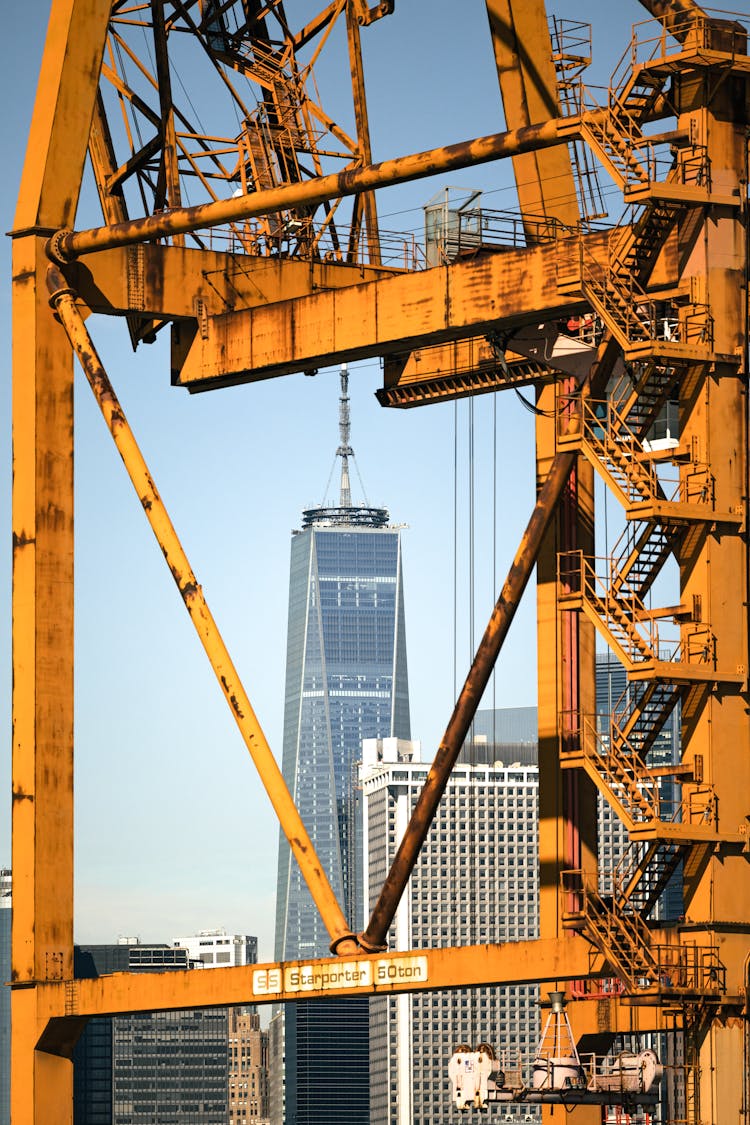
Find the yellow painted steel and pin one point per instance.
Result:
(414, 970)
(42, 924)
(333, 918)
(68, 244)
(357, 322)
(526, 73)
(285, 317)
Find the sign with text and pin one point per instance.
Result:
(333, 975)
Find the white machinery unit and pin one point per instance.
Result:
(472, 1073)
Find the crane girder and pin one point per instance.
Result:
(486, 294)
(179, 282)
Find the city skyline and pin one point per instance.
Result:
(178, 1067)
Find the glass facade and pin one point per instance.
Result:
(171, 1067)
(346, 680)
(137, 1069)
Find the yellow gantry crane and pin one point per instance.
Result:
(606, 324)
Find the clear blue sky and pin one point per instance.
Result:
(174, 832)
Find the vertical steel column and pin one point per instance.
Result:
(42, 941)
(715, 108)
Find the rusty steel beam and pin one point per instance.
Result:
(43, 547)
(678, 15)
(63, 301)
(471, 694)
(185, 283)
(417, 970)
(66, 244)
(406, 311)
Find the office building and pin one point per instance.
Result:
(248, 1069)
(170, 1067)
(216, 947)
(178, 1068)
(346, 680)
(5, 914)
(247, 1073)
(476, 880)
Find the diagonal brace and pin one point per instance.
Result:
(63, 301)
(476, 681)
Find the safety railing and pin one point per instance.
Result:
(470, 230)
(700, 31)
(629, 625)
(623, 938)
(691, 968)
(619, 764)
(613, 442)
(292, 237)
(601, 423)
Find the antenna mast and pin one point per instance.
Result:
(344, 450)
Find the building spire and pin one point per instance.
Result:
(344, 450)
(345, 514)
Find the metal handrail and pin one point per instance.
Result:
(606, 756)
(577, 573)
(695, 28)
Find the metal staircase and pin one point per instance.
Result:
(638, 556)
(617, 769)
(622, 621)
(642, 390)
(615, 135)
(644, 870)
(634, 247)
(643, 709)
(621, 937)
(602, 433)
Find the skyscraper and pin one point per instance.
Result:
(346, 680)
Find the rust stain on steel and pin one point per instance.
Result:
(19, 795)
(233, 700)
(21, 539)
(66, 245)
